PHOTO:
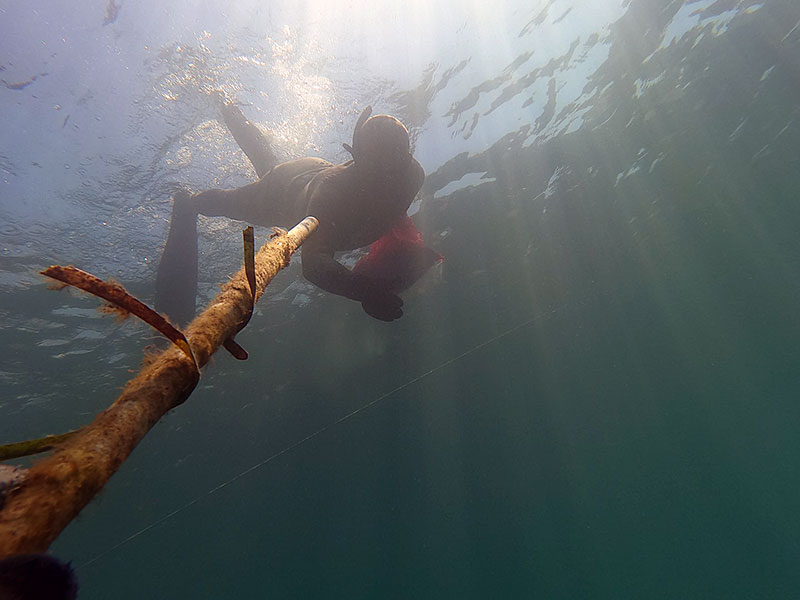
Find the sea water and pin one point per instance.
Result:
(593, 396)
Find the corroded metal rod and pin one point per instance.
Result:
(57, 487)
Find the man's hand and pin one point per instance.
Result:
(376, 299)
(383, 305)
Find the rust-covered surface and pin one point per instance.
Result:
(56, 488)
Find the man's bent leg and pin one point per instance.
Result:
(176, 279)
(275, 199)
(251, 140)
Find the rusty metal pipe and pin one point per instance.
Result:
(57, 487)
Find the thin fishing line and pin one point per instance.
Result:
(310, 436)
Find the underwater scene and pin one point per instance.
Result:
(591, 388)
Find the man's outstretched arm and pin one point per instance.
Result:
(321, 269)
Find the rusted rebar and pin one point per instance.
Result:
(57, 487)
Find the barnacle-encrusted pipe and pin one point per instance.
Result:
(57, 487)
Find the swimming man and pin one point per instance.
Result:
(356, 202)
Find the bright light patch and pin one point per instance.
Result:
(468, 180)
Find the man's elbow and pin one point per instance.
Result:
(314, 271)
(330, 276)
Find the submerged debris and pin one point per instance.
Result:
(121, 303)
(235, 349)
(277, 232)
(28, 447)
(60, 485)
(21, 85)
(112, 12)
(248, 240)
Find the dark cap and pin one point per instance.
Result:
(378, 136)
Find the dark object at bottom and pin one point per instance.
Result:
(36, 577)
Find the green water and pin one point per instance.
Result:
(595, 397)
